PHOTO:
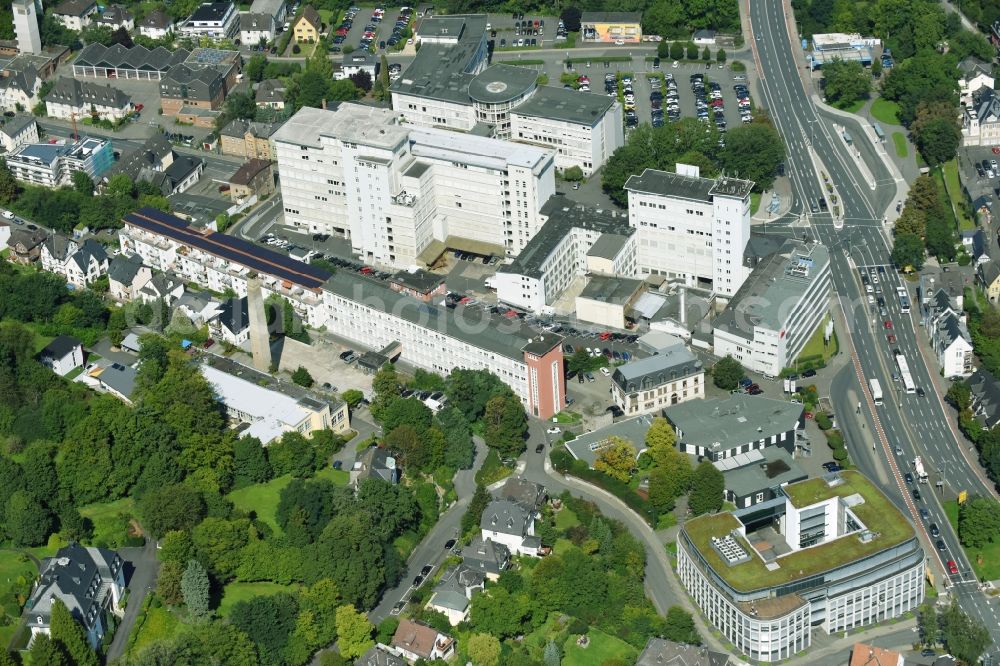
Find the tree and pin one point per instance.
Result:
(845, 82)
(616, 459)
(269, 622)
(194, 589)
(663, 50)
(553, 655)
(405, 412)
(912, 221)
(727, 373)
(352, 397)
(218, 543)
(83, 183)
(692, 51)
(927, 620)
(254, 68)
(176, 546)
(474, 514)
(960, 395)
(978, 522)
(168, 583)
(8, 184)
(354, 632)
(173, 507)
(385, 388)
(573, 174)
(120, 186)
(392, 507)
(344, 90)
(720, 56)
(122, 36)
(966, 639)
(908, 251)
(483, 650)
(294, 455)
(571, 16)
(69, 636)
(707, 488)
(28, 523)
(753, 152)
(677, 51)
(362, 80)
(706, 54)
(250, 462)
(45, 652)
(660, 440)
(506, 424)
(680, 626)
(302, 377)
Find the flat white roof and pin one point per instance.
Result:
(272, 412)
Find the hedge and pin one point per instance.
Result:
(564, 462)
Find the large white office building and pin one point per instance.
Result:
(449, 85)
(362, 310)
(779, 307)
(831, 553)
(403, 194)
(691, 227)
(53, 164)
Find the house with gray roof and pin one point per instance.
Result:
(75, 14)
(453, 593)
(376, 463)
(126, 275)
(63, 355)
(80, 264)
(512, 524)
(757, 476)
(185, 86)
(945, 325)
(17, 131)
(161, 286)
(270, 94)
(116, 17)
(117, 379)
(985, 397)
(156, 25)
(671, 376)
(588, 446)
(56, 251)
(25, 245)
(380, 655)
(72, 99)
(121, 62)
(88, 581)
(256, 28)
(19, 90)
(489, 557)
(153, 156)
(519, 490)
(661, 652)
(725, 427)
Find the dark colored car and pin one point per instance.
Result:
(908, 477)
(427, 569)
(920, 392)
(916, 494)
(935, 532)
(539, 448)
(338, 464)
(417, 581)
(449, 544)
(940, 545)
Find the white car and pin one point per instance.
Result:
(554, 430)
(8, 215)
(619, 42)
(605, 372)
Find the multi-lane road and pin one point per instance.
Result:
(907, 423)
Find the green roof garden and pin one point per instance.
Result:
(876, 512)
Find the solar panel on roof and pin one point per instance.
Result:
(231, 248)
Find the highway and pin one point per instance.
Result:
(907, 423)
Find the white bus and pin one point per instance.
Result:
(876, 390)
(904, 373)
(904, 300)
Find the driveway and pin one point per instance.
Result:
(141, 567)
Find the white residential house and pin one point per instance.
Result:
(510, 518)
(974, 75)
(453, 594)
(75, 14)
(71, 99)
(19, 90)
(56, 251)
(355, 62)
(981, 119)
(62, 355)
(232, 324)
(946, 325)
(160, 286)
(126, 276)
(156, 25)
(80, 264)
(215, 20)
(88, 581)
(256, 28)
(116, 17)
(17, 131)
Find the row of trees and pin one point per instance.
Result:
(689, 50)
(988, 349)
(751, 151)
(924, 226)
(965, 638)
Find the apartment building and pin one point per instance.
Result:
(449, 85)
(366, 312)
(17, 131)
(830, 553)
(769, 320)
(394, 190)
(70, 99)
(19, 90)
(75, 14)
(249, 139)
(256, 28)
(572, 241)
(691, 227)
(185, 88)
(156, 25)
(53, 164)
(79, 264)
(215, 20)
(946, 326)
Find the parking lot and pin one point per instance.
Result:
(359, 34)
(979, 185)
(504, 33)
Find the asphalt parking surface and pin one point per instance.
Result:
(383, 29)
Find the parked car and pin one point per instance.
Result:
(554, 430)
(539, 448)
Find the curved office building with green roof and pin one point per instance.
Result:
(830, 552)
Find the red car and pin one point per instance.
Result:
(365, 270)
(888, 324)
(139, 107)
(891, 339)
(717, 103)
(604, 336)
(952, 568)
(510, 314)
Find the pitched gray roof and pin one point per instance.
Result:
(379, 655)
(506, 517)
(75, 577)
(59, 246)
(377, 463)
(74, 7)
(123, 268)
(23, 80)
(60, 347)
(90, 249)
(137, 57)
(146, 156)
(83, 93)
(528, 494)
(985, 395)
(486, 555)
(270, 91)
(119, 377)
(256, 22)
(661, 652)
(156, 19)
(115, 15)
(14, 126)
(668, 364)
(184, 82)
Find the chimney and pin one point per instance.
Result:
(260, 346)
(323, 104)
(683, 296)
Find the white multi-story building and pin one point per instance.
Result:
(79, 264)
(974, 75)
(364, 311)
(215, 20)
(256, 28)
(29, 39)
(19, 91)
(53, 164)
(71, 99)
(829, 552)
(394, 189)
(449, 85)
(18, 131)
(691, 227)
(572, 242)
(671, 376)
(778, 308)
(75, 14)
(945, 324)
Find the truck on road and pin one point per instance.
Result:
(918, 469)
(876, 390)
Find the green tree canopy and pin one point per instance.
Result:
(845, 82)
(727, 373)
(707, 488)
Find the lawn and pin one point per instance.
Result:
(236, 592)
(153, 625)
(566, 519)
(853, 107)
(938, 175)
(567, 417)
(18, 573)
(754, 202)
(899, 140)
(337, 476)
(110, 528)
(816, 347)
(885, 111)
(601, 649)
(261, 499)
(989, 567)
(954, 187)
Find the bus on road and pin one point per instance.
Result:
(904, 374)
(876, 390)
(904, 300)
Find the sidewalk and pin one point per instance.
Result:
(782, 187)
